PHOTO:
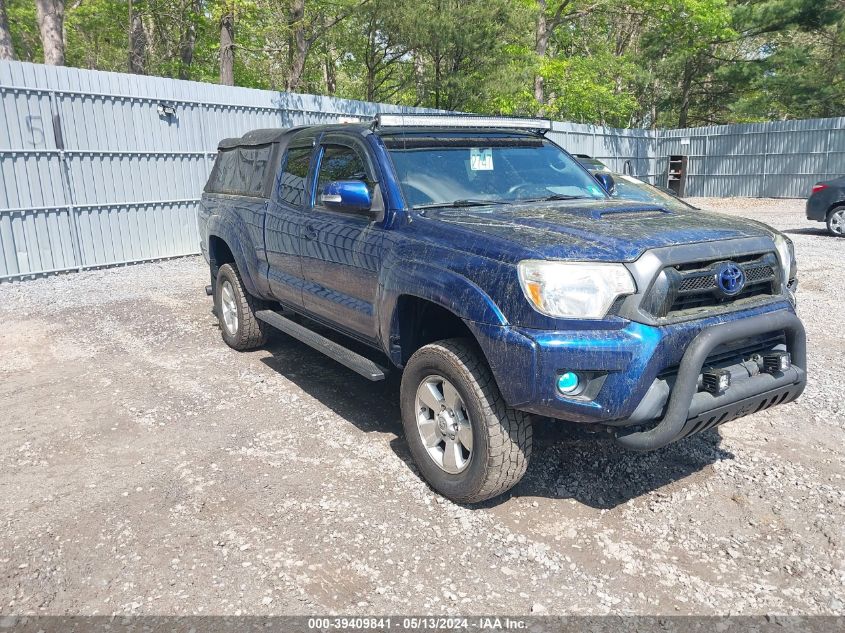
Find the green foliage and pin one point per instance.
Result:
(583, 89)
(22, 24)
(96, 35)
(614, 62)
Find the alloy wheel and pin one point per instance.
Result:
(229, 307)
(444, 425)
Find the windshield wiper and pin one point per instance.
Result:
(464, 202)
(555, 196)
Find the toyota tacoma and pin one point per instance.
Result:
(482, 262)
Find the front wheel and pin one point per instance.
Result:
(836, 222)
(468, 444)
(235, 309)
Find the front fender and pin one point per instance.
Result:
(238, 240)
(508, 352)
(441, 286)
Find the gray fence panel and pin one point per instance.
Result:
(91, 173)
(627, 151)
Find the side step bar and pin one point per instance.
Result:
(357, 363)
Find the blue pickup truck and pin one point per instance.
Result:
(485, 264)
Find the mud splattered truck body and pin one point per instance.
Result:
(486, 266)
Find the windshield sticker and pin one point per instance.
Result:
(481, 158)
(595, 191)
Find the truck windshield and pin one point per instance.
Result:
(456, 169)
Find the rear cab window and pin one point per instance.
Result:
(293, 176)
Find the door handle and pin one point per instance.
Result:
(309, 232)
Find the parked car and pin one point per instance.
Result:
(626, 187)
(591, 164)
(827, 204)
(481, 261)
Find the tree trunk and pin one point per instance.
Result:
(419, 77)
(686, 87)
(227, 47)
(541, 47)
(7, 51)
(371, 58)
(137, 46)
(189, 40)
(330, 72)
(51, 16)
(298, 48)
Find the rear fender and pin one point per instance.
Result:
(245, 253)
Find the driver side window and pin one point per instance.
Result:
(339, 163)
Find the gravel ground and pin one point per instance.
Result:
(146, 468)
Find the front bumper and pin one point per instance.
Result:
(754, 394)
(631, 392)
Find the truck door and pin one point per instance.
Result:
(286, 214)
(341, 250)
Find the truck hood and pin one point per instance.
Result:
(600, 230)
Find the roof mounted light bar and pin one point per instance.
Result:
(460, 121)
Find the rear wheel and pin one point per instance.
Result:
(836, 222)
(236, 309)
(468, 444)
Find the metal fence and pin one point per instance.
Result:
(94, 172)
(624, 151)
(782, 159)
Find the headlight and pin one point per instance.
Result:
(786, 254)
(574, 289)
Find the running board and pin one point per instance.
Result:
(357, 363)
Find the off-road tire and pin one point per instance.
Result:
(251, 332)
(502, 436)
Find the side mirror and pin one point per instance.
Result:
(606, 181)
(347, 195)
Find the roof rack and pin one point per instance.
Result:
(541, 126)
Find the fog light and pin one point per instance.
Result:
(776, 362)
(568, 382)
(716, 381)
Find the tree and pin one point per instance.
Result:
(308, 23)
(550, 16)
(378, 58)
(227, 46)
(7, 50)
(649, 63)
(51, 14)
(137, 43)
(298, 44)
(188, 42)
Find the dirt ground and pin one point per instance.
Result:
(146, 468)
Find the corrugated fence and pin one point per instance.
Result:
(782, 159)
(94, 171)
